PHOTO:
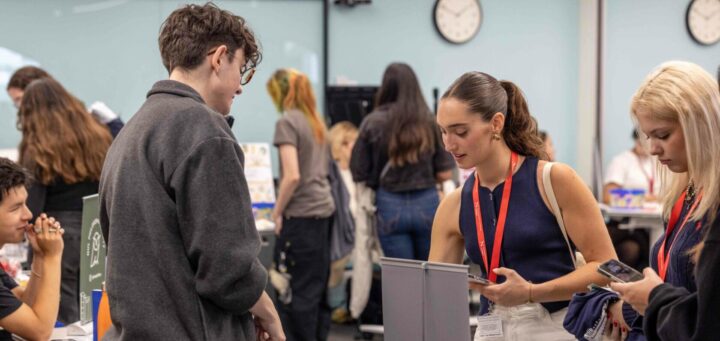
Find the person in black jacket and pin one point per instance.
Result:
(399, 154)
(678, 109)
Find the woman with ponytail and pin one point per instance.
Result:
(677, 109)
(504, 218)
(399, 155)
(304, 207)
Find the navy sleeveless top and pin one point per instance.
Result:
(533, 244)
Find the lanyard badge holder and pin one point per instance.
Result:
(663, 258)
(490, 325)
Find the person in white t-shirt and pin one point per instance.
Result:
(632, 169)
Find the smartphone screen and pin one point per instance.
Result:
(477, 279)
(619, 272)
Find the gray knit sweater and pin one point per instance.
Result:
(175, 210)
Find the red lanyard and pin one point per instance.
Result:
(662, 259)
(650, 178)
(500, 227)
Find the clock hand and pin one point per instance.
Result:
(462, 11)
(700, 13)
(448, 9)
(714, 13)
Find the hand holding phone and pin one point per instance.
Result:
(478, 280)
(619, 271)
(594, 286)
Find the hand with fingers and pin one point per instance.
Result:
(514, 291)
(278, 220)
(637, 294)
(615, 329)
(46, 237)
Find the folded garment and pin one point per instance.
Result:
(587, 314)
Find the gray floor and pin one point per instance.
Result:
(346, 332)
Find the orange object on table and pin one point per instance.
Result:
(104, 322)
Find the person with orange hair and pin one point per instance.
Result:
(304, 208)
(64, 149)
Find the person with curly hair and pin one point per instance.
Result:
(175, 208)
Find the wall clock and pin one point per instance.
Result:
(703, 21)
(457, 21)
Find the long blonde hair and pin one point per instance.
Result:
(685, 93)
(291, 89)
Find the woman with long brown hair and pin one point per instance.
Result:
(399, 155)
(64, 148)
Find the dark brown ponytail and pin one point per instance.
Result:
(486, 96)
(520, 132)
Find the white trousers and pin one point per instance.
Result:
(530, 321)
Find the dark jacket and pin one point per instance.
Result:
(175, 210)
(674, 313)
(342, 234)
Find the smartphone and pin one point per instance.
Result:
(477, 279)
(619, 271)
(594, 286)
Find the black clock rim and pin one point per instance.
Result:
(687, 26)
(435, 24)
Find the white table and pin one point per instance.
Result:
(62, 333)
(648, 217)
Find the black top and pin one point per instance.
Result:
(59, 196)
(673, 313)
(8, 302)
(370, 156)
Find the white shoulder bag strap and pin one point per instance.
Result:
(547, 183)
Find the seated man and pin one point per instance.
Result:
(28, 312)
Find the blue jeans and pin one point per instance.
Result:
(404, 222)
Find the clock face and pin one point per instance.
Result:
(457, 20)
(703, 21)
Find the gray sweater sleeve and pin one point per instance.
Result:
(217, 225)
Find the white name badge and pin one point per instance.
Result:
(489, 326)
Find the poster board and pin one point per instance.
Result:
(424, 300)
(259, 176)
(92, 255)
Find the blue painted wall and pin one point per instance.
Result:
(641, 34)
(532, 43)
(107, 51)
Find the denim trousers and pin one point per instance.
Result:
(404, 222)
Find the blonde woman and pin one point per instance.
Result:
(341, 138)
(677, 109)
(304, 206)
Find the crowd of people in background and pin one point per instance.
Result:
(182, 243)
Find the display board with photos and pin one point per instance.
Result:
(259, 176)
